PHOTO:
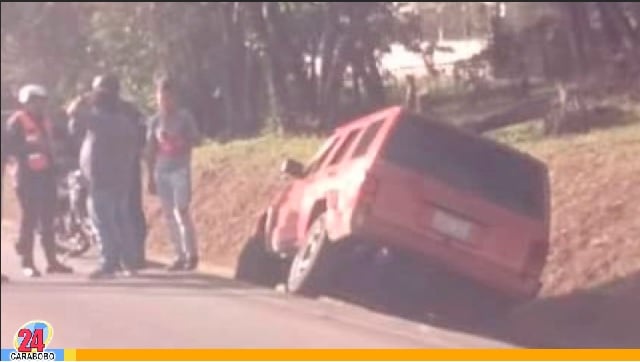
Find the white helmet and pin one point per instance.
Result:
(29, 91)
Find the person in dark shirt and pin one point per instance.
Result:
(28, 141)
(109, 160)
(82, 105)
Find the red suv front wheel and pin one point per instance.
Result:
(310, 269)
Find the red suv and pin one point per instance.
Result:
(407, 185)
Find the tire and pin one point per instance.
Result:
(81, 245)
(257, 266)
(310, 270)
(73, 239)
(61, 237)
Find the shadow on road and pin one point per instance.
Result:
(153, 278)
(605, 317)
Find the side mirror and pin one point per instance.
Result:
(292, 168)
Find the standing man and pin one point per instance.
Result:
(172, 135)
(108, 155)
(29, 140)
(81, 105)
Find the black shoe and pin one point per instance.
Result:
(177, 266)
(19, 249)
(31, 272)
(191, 265)
(102, 274)
(57, 268)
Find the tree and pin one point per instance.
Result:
(236, 62)
(52, 57)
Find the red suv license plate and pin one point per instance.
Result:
(452, 226)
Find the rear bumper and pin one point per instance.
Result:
(458, 260)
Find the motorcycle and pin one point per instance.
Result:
(75, 234)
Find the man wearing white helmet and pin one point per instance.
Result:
(29, 143)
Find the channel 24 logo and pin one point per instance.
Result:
(31, 341)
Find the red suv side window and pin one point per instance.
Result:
(367, 138)
(344, 147)
(315, 165)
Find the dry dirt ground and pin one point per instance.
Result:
(591, 291)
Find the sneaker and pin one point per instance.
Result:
(176, 266)
(191, 265)
(101, 274)
(58, 268)
(31, 272)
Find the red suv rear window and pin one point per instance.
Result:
(468, 163)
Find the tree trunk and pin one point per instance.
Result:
(314, 78)
(614, 39)
(281, 33)
(631, 38)
(333, 85)
(576, 36)
(375, 85)
(329, 45)
(274, 71)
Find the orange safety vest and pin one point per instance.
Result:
(36, 136)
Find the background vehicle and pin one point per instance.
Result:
(435, 204)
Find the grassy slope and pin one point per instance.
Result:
(595, 179)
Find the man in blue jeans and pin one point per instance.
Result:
(171, 136)
(108, 157)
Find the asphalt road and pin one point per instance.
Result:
(161, 310)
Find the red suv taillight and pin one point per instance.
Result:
(537, 258)
(368, 191)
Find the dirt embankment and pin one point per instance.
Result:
(591, 288)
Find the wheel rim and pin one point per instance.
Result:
(306, 257)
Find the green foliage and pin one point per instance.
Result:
(235, 61)
(283, 66)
